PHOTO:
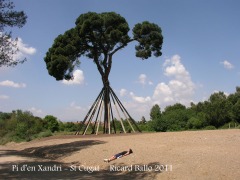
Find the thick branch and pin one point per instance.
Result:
(122, 46)
(107, 71)
(98, 65)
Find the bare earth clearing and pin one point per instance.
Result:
(172, 155)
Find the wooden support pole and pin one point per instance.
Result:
(113, 123)
(90, 110)
(103, 106)
(91, 117)
(94, 127)
(109, 120)
(120, 118)
(119, 102)
(99, 120)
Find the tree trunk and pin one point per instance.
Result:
(106, 127)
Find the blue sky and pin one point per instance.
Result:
(201, 55)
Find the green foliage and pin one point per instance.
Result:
(194, 123)
(218, 109)
(217, 112)
(175, 120)
(155, 112)
(144, 127)
(143, 120)
(61, 126)
(46, 133)
(210, 128)
(23, 126)
(11, 124)
(98, 36)
(150, 39)
(4, 116)
(70, 127)
(230, 125)
(174, 107)
(22, 130)
(19, 126)
(9, 18)
(117, 125)
(156, 123)
(236, 111)
(51, 123)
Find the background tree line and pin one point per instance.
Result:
(23, 126)
(216, 112)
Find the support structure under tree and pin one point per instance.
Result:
(101, 113)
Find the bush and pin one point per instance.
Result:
(144, 127)
(210, 128)
(22, 130)
(194, 123)
(70, 127)
(175, 127)
(52, 123)
(7, 138)
(232, 125)
(44, 134)
(158, 125)
(18, 139)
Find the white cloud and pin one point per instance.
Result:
(142, 79)
(150, 83)
(74, 106)
(227, 64)
(162, 93)
(35, 110)
(140, 99)
(8, 83)
(180, 87)
(78, 78)
(24, 50)
(4, 97)
(137, 110)
(123, 92)
(163, 89)
(175, 68)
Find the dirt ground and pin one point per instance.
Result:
(172, 155)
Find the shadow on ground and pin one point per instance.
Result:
(42, 163)
(57, 151)
(65, 171)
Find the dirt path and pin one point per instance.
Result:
(171, 155)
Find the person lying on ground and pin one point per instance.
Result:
(119, 155)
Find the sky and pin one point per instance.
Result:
(200, 56)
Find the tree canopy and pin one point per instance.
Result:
(155, 112)
(99, 36)
(9, 18)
